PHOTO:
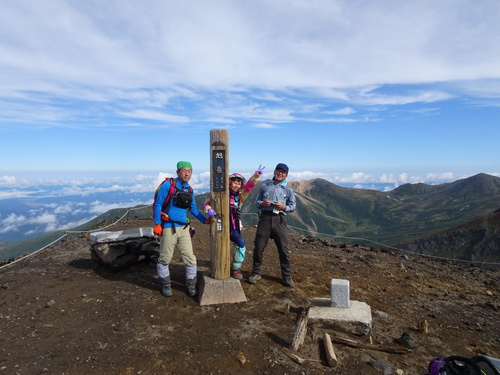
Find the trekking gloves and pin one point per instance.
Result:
(260, 170)
(158, 230)
(211, 213)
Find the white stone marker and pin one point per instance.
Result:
(339, 290)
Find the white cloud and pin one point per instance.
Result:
(223, 122)
(205, 175)
(76, 223)
(72, 208)
(200, 182)
(98, 207)
(231, 44)
(445, 176)
(483, 88)
(405, 178)
(48, 220)
(14, 222)
(420, 96)
(264, 126)
(304, 175)
(9, 228)
(143, 184)
(357, 177)
(141, 177)
(343, 111)
(64, 213)
(10, 194)
(8, 181)
(88, 190)
(402, 178)
(11, 223)
(161, 177)
(156, 116)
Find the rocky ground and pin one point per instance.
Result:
(62, 313)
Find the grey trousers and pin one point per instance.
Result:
(272, 226)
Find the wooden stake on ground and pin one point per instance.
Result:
(219, 190)
(287, 309)
(300, 331)
(294, 356)
(382, 348)
(423, 326)
(330, 354)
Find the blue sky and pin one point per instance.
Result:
(346, 90)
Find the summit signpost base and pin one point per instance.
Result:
(215, 291)
(219, 287)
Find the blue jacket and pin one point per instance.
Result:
(175, 213)
(280, 193)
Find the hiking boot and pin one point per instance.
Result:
(287, 281)
(166, 291)
(254, 278)
(236, 273)
(191, 287)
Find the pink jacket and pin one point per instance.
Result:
(243, 193)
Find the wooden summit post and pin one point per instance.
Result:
(219, 190)
(220, 288)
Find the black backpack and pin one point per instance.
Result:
(181, 198)
(454, 365)
(488, 365)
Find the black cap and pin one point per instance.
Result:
(282, 166)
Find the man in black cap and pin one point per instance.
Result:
(275, 200)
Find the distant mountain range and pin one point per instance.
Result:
(400, 217)
(404, 215)
(477, 240)
(407, 212)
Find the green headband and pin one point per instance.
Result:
(184, 164)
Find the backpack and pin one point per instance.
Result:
(488, 365)
(181, 198)
(453, 365)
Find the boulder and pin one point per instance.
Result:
(120, 249)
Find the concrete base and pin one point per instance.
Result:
(356, 319)
(217, 291)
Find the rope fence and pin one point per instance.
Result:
(395, 248)
(72, 231)
(297, 229)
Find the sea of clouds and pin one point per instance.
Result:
(31, 205)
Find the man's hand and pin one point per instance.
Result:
(211, 212)
(158, 230)
(280, 206)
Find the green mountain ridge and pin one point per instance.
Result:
(408, 212)
(477, 240)
(399, 216)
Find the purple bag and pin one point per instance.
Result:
(453, 365)
(436, 366)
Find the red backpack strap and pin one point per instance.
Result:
(166, 205)
(156, 193)
(171, 191)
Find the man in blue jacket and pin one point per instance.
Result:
(275, 201)
(172, 225)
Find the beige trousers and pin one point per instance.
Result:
(180, 239)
